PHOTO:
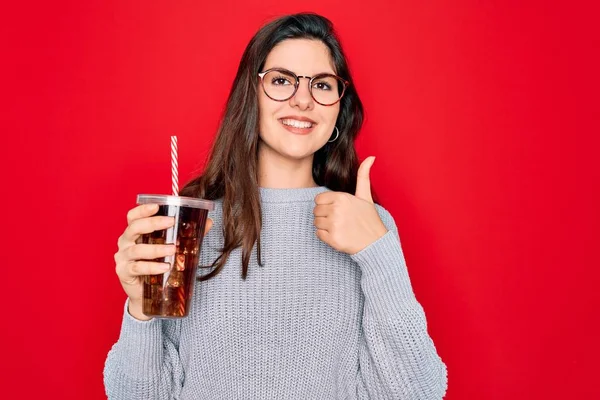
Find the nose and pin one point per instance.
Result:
(302, 99)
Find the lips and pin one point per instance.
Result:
(298, 125)
(298, 118)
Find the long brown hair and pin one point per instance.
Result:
(231, 171)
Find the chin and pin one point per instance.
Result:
(297, 156)
(291, 149)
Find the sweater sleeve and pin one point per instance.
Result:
(144, 363)
(397, 358)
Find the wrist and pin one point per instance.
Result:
(379, 231)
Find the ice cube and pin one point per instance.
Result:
(175, 279)
(188, 229)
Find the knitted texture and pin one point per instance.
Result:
(311, 323)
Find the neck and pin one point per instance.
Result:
(278, 172)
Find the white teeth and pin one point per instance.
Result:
(297, 124)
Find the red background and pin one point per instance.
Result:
(483, 117)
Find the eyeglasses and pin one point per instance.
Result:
(280, 85)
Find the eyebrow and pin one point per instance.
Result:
(287, 69)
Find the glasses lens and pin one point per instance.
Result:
(327, 89)
(279, 85)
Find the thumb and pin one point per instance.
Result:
(209, 224)
(363, 182)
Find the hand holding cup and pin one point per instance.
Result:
(134, 260)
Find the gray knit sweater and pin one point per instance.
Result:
(312, 323)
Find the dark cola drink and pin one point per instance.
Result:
(169, 295)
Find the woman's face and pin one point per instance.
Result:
(298, 127)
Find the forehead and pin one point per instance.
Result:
(301, 56)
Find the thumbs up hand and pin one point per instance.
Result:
(349, 223)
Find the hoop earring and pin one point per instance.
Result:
(337, 135)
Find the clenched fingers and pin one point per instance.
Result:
(322, 223)
(323, 210)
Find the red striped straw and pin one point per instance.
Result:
(174, 167)
(181, 301)
(175, 189)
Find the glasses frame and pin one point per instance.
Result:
(297, 84)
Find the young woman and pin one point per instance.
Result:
(309, 296)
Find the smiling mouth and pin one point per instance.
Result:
(292, 123)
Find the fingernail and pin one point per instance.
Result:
(171, 250)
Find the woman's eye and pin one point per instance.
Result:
(280, 81)
(322, 86)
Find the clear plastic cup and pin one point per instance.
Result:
(169, 295)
